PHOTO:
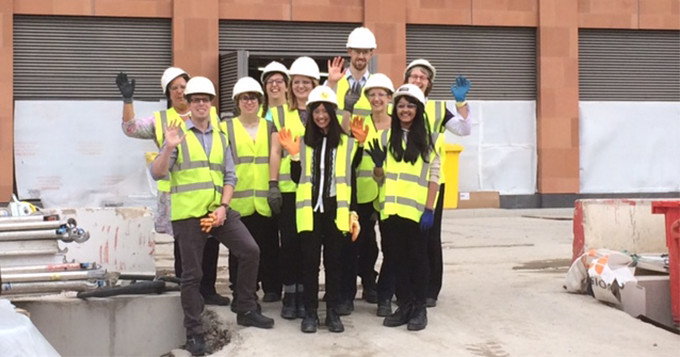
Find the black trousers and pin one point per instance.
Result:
(434, 249)
(265, 232)
(387, 279)
(409, 247)
(211, 254)
(326, 235)
(359, 257)
(291, 250)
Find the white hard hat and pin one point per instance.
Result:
(423, 63)
(322, 94)
(361, 37)
(169, 75)
(274, 67)
(246, 85)
(199, 85)
(379, 80)
(410, 90)
(305, 66)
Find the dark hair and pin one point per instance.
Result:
(418, 141)
(265, 101)
(167, 88)
(314, 135)
(237, 110)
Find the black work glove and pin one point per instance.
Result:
(126, 88)
(274, 197)
(378, 153)
(352, 97)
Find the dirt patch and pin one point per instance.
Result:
(216, 333)
(546, 265)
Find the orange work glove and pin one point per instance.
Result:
(209, 222)
(287, 142)
(359, 130)
(354, 227)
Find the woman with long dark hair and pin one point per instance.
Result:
(323, 165)
(407, 167)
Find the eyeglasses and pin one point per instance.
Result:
(406, 106)
(278, 82)
(302, 82)
(200, 100)
(248, 98)
(178, 87)
(416, 77)
(361, 51)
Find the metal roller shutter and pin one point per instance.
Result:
(294, 38)
(64, 57)
(230, 63)
(629, 65)
(500, 61)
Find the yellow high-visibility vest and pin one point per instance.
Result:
(197, 179)
(435, 111)
(367, 188)
(404, 192)
(170, 116)
(343, 186)
(362, 106)
(290, 119)
(251, 159)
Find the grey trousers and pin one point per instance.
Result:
(235, 236)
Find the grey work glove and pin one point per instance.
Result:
(126, 88)
(352, 97)
(274, 197)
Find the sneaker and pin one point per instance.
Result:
(333, 322)
(216, 299)
(310, 322)
(399, 317)
(345, 308)
(255, 319)
(195, 345)
(271, 297)
(384, 308)
(419, 319)
(430, 302)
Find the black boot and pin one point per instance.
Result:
(370, 292)
(418, 319)
(399, 317)
(333, 322)
(345, 308)
(288, 310)
(384, 308)
(195, 345)
(299, 305)
(310, 322)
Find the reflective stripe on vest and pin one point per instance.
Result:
(367, 187)
(362, 106)
(405, 190)
(282, 117)
(197, 178)
(251, 158)
(436, 110)
(343, 186)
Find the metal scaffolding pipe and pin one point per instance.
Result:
(47, 287)
(47, 268)
(19, 219)
(24, 226)
(29, 235)
(25, 252)
(52, 276)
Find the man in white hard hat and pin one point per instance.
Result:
(352, 101)
(173, 83)
(202, 181)
(349, 84)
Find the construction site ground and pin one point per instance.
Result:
(502, 296)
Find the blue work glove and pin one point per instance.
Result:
(461, 88)
(426, 220)
(377, 153)
(126, 88)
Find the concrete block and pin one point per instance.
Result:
(126, 325)
(618, 224)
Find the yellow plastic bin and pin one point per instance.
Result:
(451, 174)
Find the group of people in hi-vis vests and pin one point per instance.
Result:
(302, 170)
